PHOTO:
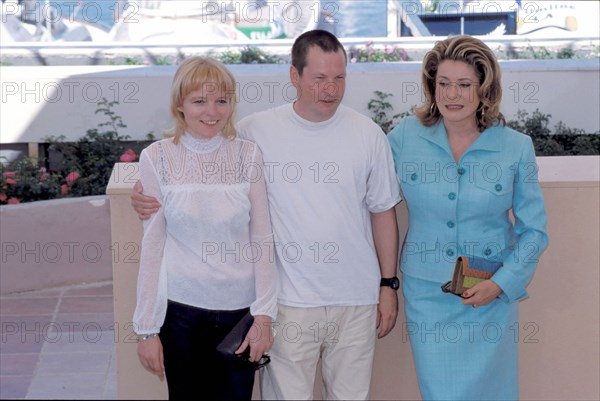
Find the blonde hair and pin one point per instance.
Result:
(477, 54)
(193, 74)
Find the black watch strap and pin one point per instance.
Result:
(393, 283)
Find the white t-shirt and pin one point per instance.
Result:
(323, 179)
(208, 245)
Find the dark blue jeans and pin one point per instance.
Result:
(193, 368)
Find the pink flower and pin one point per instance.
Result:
(128, 157)
(3, 197)
(10, 181)
(8, 174)
(353, 60)
(13, 201)
(64, 189)
(146, 62)
(43, 174)
(71, 177)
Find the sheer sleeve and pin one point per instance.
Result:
(261, 237)
(152, 285)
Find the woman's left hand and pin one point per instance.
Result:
(259, 338)
(481, 294)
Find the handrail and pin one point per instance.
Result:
(419, 41)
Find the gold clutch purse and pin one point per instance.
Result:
(469, 271)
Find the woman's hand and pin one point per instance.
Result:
(259, 338)
(150, 352)
(481, 294)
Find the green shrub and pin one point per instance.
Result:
(248, 55)
(25, 181)
(370, 54)
(72, 169)
(563, 141)
(380, 108)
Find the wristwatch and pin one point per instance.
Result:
(393, 282)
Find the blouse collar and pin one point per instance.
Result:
(199, 145)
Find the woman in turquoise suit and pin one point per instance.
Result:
(462, 173)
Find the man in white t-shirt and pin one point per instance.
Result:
(332, 190)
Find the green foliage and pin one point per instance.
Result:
(563, 141)
(370, 54)
(228, 57)
(380, 108)
(248, 55)
(133, 61)
(160, 60)
(25, 180)
(536, 53)
(79, 168)
(94, 155)
(565, 53)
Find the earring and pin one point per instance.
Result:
(482, 119)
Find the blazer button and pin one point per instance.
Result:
(487, 252)
(450, 252)
(498, 187)
(460, 171)
(413, 177)
(450, 224)
(451, 196)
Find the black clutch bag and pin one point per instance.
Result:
(234, 339)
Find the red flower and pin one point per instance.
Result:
(128, 157)
(8, 174)
(71, 177)
(10, 181)
(13, 201)
(3, 197)
(64, 189)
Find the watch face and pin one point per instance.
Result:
(393, 282)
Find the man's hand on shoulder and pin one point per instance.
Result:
(143, 205)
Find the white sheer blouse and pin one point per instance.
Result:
(210, 245)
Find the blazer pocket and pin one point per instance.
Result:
(495, 194)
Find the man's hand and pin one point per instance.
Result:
(387, 311)
(143, 205)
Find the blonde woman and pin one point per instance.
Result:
(462, 172)
(205, 254)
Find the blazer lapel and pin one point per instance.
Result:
(437, 136)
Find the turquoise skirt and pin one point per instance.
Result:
(461, 352)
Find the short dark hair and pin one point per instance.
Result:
(326, 41)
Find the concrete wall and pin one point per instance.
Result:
(559, 324)
(53, 243)
(42, 101)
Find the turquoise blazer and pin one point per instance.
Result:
(465, 208)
